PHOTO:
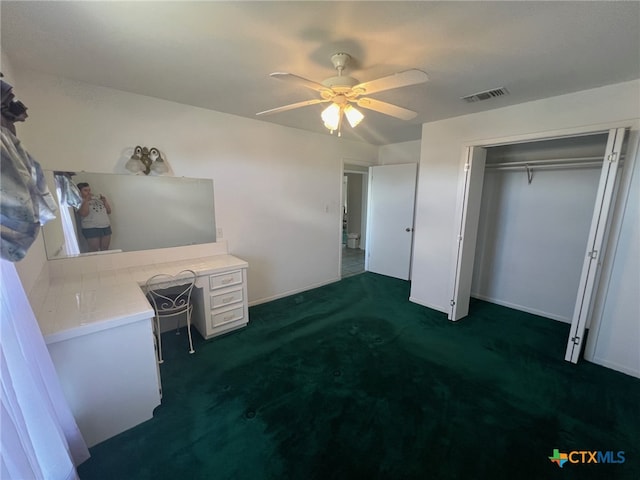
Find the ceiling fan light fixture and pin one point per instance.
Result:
(331, 116)
(354, 116)
(341, 90)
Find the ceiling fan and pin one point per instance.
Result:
(342, 91)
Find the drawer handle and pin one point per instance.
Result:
(226, 280)
(227, 299)
(228, 317)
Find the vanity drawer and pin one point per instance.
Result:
(232, 315)
(227, 298)
(225, 279)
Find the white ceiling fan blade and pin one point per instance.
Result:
(292, 106)
(386, 108)
(290, 77)
(397, 80)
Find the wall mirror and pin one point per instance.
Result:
(148, 212)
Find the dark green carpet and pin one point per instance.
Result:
(352, 381)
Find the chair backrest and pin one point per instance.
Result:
(171, 301)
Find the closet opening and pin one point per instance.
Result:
(535, 213)
(532, 215)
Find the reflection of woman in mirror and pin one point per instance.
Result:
(94, 219)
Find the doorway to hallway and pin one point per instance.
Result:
(354, 219)
(352, 261)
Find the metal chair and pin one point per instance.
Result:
(170, 296)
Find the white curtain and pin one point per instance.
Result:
(39, 436)
(68, 227)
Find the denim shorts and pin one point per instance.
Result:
(96, 232)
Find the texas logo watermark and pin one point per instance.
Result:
(586, 456)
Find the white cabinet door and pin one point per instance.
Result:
(604, 199)
(469, 199)
(392, 191)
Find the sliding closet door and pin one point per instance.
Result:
(594, 244)
(469, 199)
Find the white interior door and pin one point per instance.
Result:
(392, 190)
(469, 199)
(604, 199)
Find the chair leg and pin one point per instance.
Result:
(159, 339)
(191, 350)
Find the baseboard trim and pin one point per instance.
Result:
(615, 366)
(292, 292)
(522, 308)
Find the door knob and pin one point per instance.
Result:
(408, 229)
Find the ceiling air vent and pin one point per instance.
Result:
(486, 95)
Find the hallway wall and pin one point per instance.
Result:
(354, 202)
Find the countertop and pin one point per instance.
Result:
(80, 304)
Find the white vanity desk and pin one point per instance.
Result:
(97, 324)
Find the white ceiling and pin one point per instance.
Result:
(218, 55)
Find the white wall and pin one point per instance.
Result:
(277, 189)
(404, 152)
(532, 239)
(442, 148)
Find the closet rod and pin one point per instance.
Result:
(553, 161)
(549, 166)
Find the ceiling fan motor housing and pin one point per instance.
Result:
(340, 84)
